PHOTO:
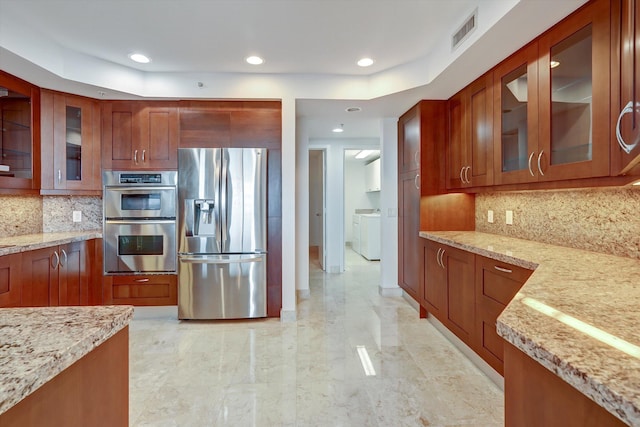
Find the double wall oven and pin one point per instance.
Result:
(139, 222)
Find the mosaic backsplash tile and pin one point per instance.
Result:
(58, 213)
(600, 220)
(20, 215)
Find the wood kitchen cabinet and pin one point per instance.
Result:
(10, 280)
(70, 144)
(140, 135)
(496, 283)
(470, 144)
(158, 289)
(449, 288)
(552, 119)
(57, 275)
(20, 136)
(626, 106)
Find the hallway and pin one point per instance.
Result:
(310, 372)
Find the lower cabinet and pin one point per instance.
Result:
(467, 293)
(58, 275)
(141, 289)
(10, 280)
(496, 284)
(448, 287)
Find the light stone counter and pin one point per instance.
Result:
(578, 315)
(36, 344)
(30, 242)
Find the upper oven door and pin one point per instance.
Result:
(140, 202)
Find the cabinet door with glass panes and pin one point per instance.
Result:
(515, 122)
(574, 96)
(70, 144)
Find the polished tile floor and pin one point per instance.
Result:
(310, 372)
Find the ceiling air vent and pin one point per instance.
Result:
(465, 30)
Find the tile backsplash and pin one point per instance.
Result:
(600, 220)
(35, 214)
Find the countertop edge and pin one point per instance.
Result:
(602, 394)
(67, 357)
(31, 242)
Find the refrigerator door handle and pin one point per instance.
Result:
(217, 260)
(225, 199)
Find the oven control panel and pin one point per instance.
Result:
(141, 178)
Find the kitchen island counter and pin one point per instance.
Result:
(38, 345)
(30, 242)
(577, 315)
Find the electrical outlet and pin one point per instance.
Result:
(509, 217)
(77, 216)
(490, 216)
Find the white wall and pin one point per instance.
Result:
(355, 193)
(389, 207)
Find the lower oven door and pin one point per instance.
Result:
(139, 246)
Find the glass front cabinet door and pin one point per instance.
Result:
(70, 143)
(574, 115)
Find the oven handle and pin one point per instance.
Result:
(135, 189)
(217, 260)
(140, 221)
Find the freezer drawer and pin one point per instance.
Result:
(222, 286)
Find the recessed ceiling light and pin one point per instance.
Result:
(352, 109)
(554, 64)
(140, 58)
(365, 62)
(254, 60)
(339, 129)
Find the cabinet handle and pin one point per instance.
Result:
(438, 257)
(504, 270)
(466, 174)
(141, 280)
(57, 257)
(461, 172)
(416, 181)
(627, 148)
(59, 176)
(135, 157)
(540, 167)
(531, 158)
(442, 259)
(143, 156)
(416, 159)
(64, 254)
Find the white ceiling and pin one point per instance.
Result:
(310, 48)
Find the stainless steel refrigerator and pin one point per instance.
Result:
(222, 233)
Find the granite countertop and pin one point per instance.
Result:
(36, 344)
(577, 315)
(30, 242)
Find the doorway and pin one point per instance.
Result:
(317, 209)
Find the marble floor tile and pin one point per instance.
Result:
(310, 372)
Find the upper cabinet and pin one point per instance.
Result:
(20, 135)
(552, 119)
(409, 142)
(626, 109)
(372, 176)
(139, 135)
(470, 146)
(70, 144)
(574, 96)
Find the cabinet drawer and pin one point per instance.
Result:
(499, 281)
(141, 290)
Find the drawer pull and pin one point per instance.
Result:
(141, 280)
(504, 270)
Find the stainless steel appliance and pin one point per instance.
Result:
(139, 222)
(222, 233)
